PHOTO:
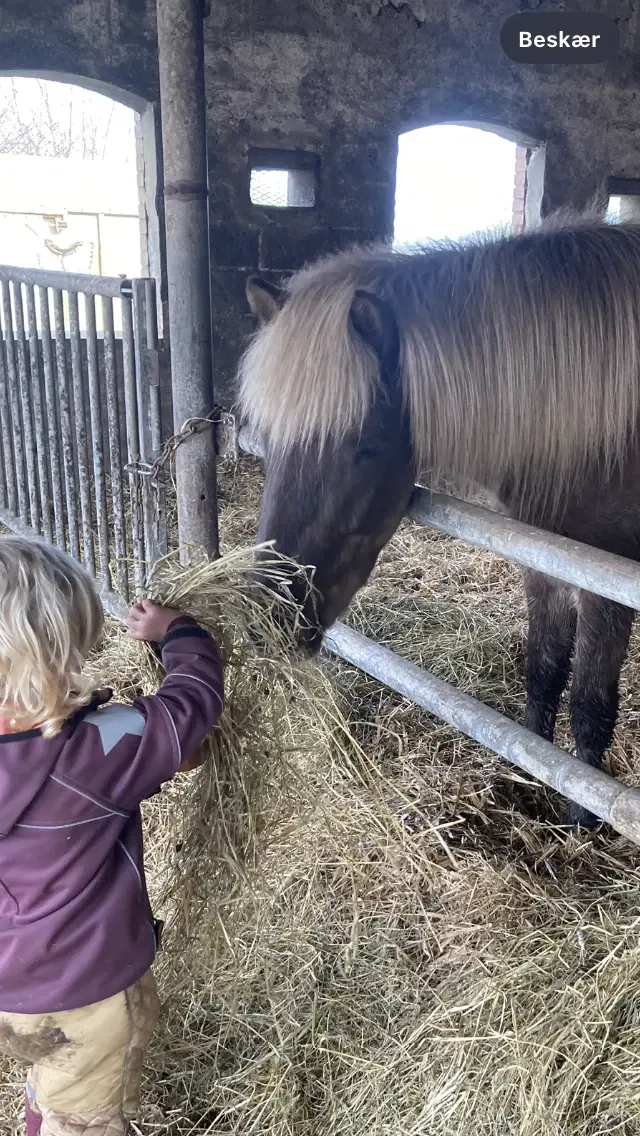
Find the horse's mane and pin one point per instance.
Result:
(518, 353)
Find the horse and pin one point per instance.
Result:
(510, 363)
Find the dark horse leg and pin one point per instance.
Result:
(601, 629)
(552, 628)
(602, 640)
(604, 514)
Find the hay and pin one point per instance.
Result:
(392, 935)
(277, 705)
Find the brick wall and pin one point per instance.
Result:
(519, 189)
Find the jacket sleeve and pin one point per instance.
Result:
(174, 721)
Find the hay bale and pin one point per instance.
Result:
(421, 948)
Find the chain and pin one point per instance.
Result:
(192, 426)
(152, 473)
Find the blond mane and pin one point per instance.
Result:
(518, 353)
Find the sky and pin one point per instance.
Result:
(68, 113)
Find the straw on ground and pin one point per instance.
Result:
(382, 931)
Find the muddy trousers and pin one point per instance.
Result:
(86, 1063)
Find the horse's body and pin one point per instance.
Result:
(513, 363)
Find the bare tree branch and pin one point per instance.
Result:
(33, 123)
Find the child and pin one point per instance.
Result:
(78, 1000)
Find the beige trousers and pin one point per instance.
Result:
(86, 1063)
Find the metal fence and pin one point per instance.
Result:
(80, 420)
(590, 568)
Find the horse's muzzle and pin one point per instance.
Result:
(298, 614)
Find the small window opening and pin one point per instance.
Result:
(283, 189)
(624, 200)
(624, 207)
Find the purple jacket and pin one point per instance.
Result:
(75, 920)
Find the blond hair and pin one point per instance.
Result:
(50, 619)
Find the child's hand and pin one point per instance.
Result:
(150, 621)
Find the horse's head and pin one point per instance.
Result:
(333, 506)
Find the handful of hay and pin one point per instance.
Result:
(276, 703)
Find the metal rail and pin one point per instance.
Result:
(114, 286)
(613, 802)
(604, 573)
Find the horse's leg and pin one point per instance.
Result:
(552, 627)
(602, 640)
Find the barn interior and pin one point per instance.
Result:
(414, 945)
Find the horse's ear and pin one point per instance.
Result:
(374, 322)
(265, 299)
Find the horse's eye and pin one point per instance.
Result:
(366, 453)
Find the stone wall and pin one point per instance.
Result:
(336, 81)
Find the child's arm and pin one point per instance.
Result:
(190, 763)
(123, 754)
(192, 692)
(148, 743)
(173, 657)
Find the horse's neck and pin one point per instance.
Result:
(466, 490)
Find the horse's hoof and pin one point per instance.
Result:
(582, 818)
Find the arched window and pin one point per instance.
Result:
(453, 180)
(78, 177)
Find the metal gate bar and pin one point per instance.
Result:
(76, 397)
(596, 791)
(603, 573)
